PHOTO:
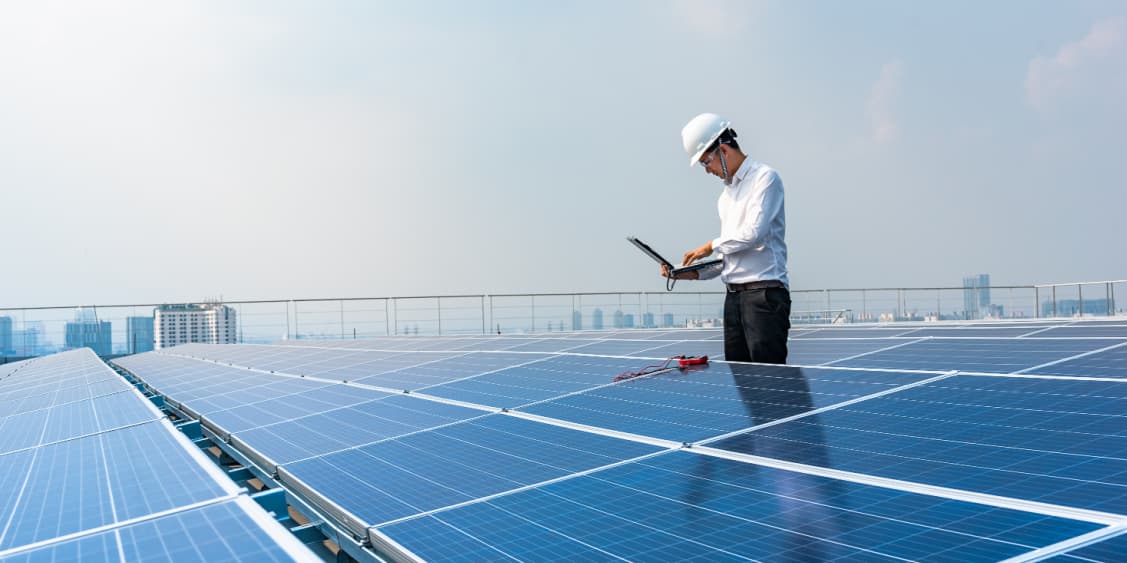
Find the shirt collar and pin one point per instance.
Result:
(745, 168)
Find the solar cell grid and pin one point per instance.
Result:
(1111, 549)
(343, 428)
(696, 405)
(453, 464)
(1108, 363)
(980, 355)
(551, 377)
(680, 505)
(443, 370)
(1057, 444)
(97, 461)
(1055, 441)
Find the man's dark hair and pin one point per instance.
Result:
(728, 137)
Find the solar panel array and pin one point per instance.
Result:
(960, 443)
(90, 470)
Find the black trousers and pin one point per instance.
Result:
(756, 323)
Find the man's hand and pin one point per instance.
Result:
(694, 255)
(683, 275)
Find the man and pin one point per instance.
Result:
(751, 243)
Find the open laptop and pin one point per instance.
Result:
(672, 270)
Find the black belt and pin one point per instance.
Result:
(765, 284)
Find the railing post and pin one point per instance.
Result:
(438, 305)
(864, 307)
(395, 316)
(387, 317)
(532, 299)
(1036, 302)
(342, 319)
(938, 307)
(482, 299)
(1080, 295)
(1054, 301)
(1107, 297)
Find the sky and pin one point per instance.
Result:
(175, 151)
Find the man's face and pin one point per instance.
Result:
(711, 162)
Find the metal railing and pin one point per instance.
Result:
(29, 331)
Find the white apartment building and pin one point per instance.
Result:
(208, 323)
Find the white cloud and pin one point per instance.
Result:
(1091, 64)
(882, 102)
(717, 17)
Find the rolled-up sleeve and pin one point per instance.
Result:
(750, 228)
(710, 272)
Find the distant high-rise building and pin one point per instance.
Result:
(667, 320)
(86, 331)
(976, 295)
(648, 320)
(576, 320)
(6, 336)
(597, 319)
(619, 318)
(628, 320)
(139, 334)
(208, 323)
(26, 341)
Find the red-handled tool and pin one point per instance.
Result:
(686, 361)
(683, 363)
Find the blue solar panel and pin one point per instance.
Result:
(972, 331)
(96, 461)
(1112, 549)
(553, 377)
(858, 332)
(828, 350)
(1113, 331)
(711, 348)
(996, 356)
(682, 506)
(369, 462)
(338, 429)
(287, 407)
(98, 547)
(1109, 363)
(22, 430)
(219, 532)
(438, 371)
(1055, 441)
(453, 464)
(65, 492)
(619, 347)
(723, 398)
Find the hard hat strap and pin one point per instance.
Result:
(724, 168)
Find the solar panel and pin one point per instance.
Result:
(1046, 440)
(452, 464)
(82, 473)
(682, 506)
(1107, 550)
(723, 398)
(525, 447)
(349, 427)
(979, 355)
(1110, 362)
(550, 377)
(226, 531)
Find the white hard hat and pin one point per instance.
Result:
(700, 133)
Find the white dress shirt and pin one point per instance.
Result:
(752, 228)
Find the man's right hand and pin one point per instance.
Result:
(693, 275)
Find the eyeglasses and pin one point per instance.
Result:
(711, 156)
